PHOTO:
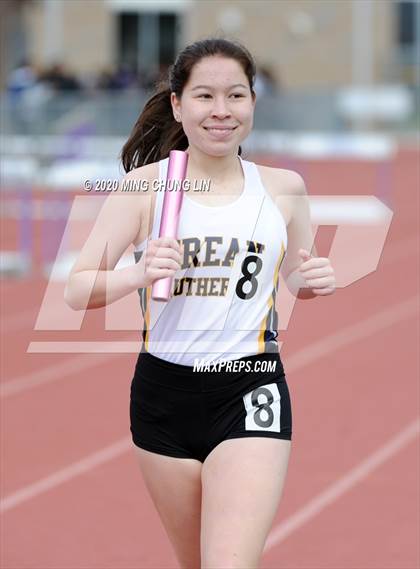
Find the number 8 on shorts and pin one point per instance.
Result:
(263, 408)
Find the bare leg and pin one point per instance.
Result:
(242, 481)
(174, 485)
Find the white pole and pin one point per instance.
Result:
(362, 55)
(362, 42)
(52, 30)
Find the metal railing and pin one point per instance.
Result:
(114, 114)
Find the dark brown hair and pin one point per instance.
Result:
(156, 131)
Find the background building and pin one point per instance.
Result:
(374, 41)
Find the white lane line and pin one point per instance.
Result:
(53, 372)
(75, 469)
(397, 312)
(344, 336)
(343, 485)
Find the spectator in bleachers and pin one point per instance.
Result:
(21, 78)
(120, 79)
(27, 93)
(59, 79)
(107, 80)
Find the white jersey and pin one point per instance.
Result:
(223, 303)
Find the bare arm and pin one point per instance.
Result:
(299, 236)
(93, 282)
(93, 289)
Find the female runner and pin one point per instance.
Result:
(210, 411)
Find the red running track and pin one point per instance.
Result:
(351, 496)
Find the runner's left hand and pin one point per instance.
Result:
(317, 273)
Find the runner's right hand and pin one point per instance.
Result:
(161, 258)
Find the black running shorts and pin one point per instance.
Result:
(181, 412)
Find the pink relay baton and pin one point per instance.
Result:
(172, 202)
